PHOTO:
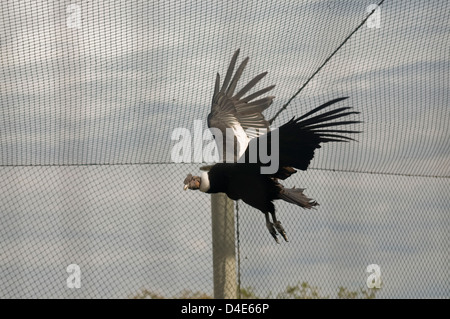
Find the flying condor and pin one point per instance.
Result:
(241, 178)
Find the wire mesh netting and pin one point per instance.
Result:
(91, 93)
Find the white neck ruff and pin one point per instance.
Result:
(204, 182)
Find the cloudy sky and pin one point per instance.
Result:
(87, 110)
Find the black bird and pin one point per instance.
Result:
(238, 175)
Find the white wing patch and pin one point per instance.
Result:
(236, 142)
(204, 182)
(236, 118)
(242, 139)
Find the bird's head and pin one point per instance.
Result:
(192, 182)
(199, 182)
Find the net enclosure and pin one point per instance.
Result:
(92, 202)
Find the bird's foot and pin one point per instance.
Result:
(281, 230)
(272, 231)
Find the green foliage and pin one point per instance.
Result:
(147, 294)
(344, 293)
(185, 294)
(248, 293)
(302, 290)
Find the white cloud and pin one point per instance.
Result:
(112, 90)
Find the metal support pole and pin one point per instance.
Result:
(224, 252)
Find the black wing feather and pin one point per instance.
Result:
(238, 111)
(299, 137)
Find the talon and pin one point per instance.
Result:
(281, 230)
(272, 231)
(276, 238)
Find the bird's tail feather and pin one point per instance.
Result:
(296, 196)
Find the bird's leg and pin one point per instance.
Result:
(278, 226)
(270, 227)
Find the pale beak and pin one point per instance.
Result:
(185, 187)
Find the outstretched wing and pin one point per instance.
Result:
(300, 137)
(240, 116)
